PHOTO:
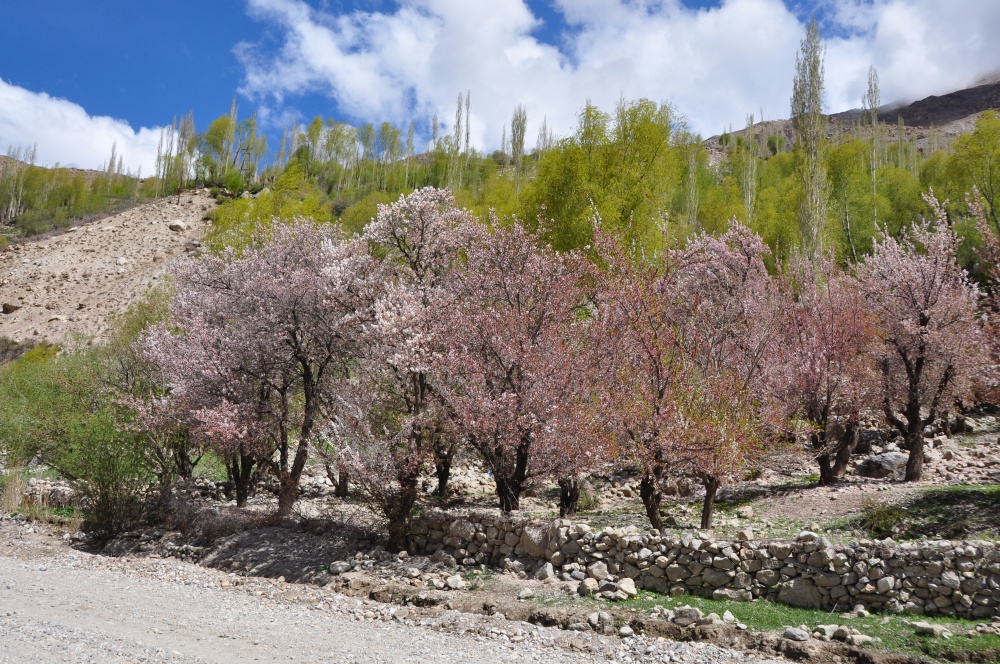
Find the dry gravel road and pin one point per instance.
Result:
(58, 604)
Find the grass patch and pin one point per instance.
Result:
(764, 616)
(896, 637)
(881, 518)
(211, 466)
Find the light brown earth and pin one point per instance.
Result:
(71, 283)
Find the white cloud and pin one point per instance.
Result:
(920, 48)
(66, 134)
(716, 65)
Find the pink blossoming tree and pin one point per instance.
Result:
(257, 342)
(931, 343)
(515, 371)
(823, 371)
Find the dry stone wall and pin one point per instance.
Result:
(934, 578)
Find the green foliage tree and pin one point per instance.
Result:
(976, 161)
(291, 196)
(624, 165)
(55, 407)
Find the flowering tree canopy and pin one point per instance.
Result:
(823, 371)
(515, 369)
(256, 343)
(931, 344)
(670, 398)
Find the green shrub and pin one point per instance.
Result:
(56, 408)
(106, 465)
(880, 518)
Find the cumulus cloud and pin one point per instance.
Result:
(920, 48)
(66, 134)
(715, 65)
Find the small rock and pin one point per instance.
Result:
(545, 572)
(527, 593)
(627, 586)
(340, 567)
(625, 631)
(687, 615)
(177, 226)
(927, 629)
(796, 634)
(598, 570)
(455, 582)
(861, 640)
(745, 512)
(587, 587)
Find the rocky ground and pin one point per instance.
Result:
(69, 283)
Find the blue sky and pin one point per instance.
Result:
(76, 76)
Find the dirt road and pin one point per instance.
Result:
(58, 604)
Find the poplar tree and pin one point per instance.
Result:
(870, 104)
(809, 126)
(518, 125)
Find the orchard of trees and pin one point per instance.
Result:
(430, 335)
(610, 299)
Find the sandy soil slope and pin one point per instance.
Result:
(53, 288)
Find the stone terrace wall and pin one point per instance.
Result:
(949, 578)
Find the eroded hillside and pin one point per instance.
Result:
(56, 287)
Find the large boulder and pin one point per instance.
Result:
(533, 542)
(802, 593)
(890, 464)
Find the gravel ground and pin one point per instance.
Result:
(62, 605)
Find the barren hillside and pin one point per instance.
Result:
(55, 287)
(947, 115)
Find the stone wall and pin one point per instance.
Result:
(950, 578)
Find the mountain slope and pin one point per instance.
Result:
(53, 288)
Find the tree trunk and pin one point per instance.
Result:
(848, 443)
(343, 484)
(711, 488)
(826, 476)
(915, 463)
(510, 484)
(442, 469)
(508, 492)
(946, 424)
(288, 489)
(240, 469)
(569, 497)
(399, 514)
(649, 492)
